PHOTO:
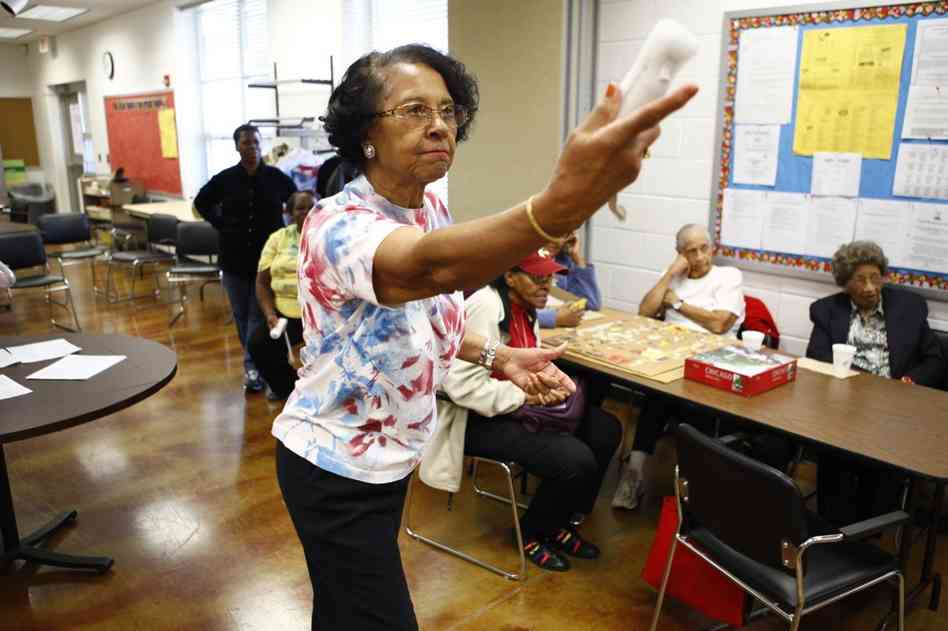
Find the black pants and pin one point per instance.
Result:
(850, 489)
(571, 467)
(349, 532)
(270, 357)
(655, 414)
(770, 448)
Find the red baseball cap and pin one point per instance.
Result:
(541, 263)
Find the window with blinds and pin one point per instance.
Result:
(233, 51)
(383, 24)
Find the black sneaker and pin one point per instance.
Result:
(568, 540)
(543, 557)
(253, 382)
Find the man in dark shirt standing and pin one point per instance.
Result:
(245, 204)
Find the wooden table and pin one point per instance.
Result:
(179, 208)
(884, 420)
(57, 405)
(10, 227)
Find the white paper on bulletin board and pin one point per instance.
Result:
(742, 218)
(926, 113)
(886, 222)
(930, 59)
(765, 76)
(921, 171)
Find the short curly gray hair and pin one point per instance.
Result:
(849, 256)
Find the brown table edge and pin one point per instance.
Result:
(91, 416)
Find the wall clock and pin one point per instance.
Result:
(108, 64)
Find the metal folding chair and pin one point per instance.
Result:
(161, 230)
(194, 239)
(511, 500)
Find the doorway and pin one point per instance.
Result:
(78, 151)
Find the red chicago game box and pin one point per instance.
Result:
(738, 370)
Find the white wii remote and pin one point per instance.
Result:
(277, 330)
(668, 47)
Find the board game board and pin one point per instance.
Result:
(639, 345)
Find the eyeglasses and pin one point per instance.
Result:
(421, 115)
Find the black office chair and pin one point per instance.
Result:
(749, 521)
(195, 239)
(161, 230)
(22, 250)
(71, 229)
(28, 202)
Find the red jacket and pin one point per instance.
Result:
(757, 318)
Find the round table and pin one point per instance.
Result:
(57, 405)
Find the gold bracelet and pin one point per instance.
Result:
(536, 226)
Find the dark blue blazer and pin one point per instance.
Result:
(914, 351)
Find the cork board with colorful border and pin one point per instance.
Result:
(794, 171)
(135, 140)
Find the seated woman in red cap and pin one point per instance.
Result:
(477, 417)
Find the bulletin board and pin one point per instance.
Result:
(18, 133)
(143, 139)
(803, 210)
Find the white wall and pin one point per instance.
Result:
(143, 46)
(515, 49)
(146, 45)
(15, 82)
(14, 72)
(675, 185)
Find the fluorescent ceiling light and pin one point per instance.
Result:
(13, 33)
(51, 14)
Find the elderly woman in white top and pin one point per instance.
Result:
(7, 277)
(380, 271)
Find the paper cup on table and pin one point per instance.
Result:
(843, 358)
(752, 340)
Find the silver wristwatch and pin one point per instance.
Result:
(678, 305)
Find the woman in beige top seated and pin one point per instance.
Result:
(277, 294)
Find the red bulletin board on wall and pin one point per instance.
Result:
(135, 140)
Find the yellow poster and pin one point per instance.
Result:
(849, 90)
(169, 133)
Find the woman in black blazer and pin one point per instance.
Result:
(889, 328)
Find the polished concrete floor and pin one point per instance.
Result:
(180, 490)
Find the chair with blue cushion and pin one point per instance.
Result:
(71, 229)
(24, 250)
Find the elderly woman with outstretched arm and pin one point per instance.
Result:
(381, 272)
